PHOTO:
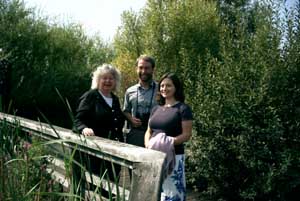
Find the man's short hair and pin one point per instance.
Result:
(147, 59)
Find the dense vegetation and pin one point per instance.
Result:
(45, 55)
(240, 64)
(23, 174)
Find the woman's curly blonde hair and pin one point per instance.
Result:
(104, 69)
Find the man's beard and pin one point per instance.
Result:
(145, 77)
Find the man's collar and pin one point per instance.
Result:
(150, 85)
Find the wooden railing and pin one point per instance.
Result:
(146, 165)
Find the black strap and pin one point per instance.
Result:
(137, 98)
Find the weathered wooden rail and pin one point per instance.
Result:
(146, 165)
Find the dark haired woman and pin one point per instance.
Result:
(174, 118)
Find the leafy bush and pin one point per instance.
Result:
(241, 77)
(23, 168)
(245, 150)
(45, 56)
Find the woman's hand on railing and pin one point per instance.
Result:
(88, 132)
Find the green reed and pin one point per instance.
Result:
(24, 158)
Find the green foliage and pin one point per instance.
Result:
(166, 29)
(245, 149)
(173, 27)
(28, 161)
(23, 167)
(129, 45)
(128, 38)
(45, 56)
(241, 75)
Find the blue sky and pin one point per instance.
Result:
(101, 17)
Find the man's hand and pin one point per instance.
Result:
(135, 122)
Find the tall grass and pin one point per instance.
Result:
(24, 159)
(23, 167)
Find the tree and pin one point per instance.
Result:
(46, 56)
(241, 80)
(129, 45)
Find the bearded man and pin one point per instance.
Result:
(139, 100)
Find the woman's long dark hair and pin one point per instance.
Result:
(179, 94)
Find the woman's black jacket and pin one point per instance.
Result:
(93, 112)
